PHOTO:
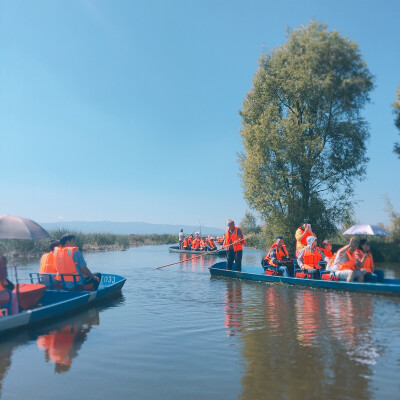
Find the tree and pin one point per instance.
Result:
(304, 138)
(396, 106)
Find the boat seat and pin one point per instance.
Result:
(5, 304)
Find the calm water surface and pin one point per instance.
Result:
(177, 333)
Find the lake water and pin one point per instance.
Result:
(177, 333)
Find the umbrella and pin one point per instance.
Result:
(373, 230)
(12, 227)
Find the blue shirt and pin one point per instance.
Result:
(79, 260)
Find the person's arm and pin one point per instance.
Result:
(272, 255)
(300, 260)
(82, 266)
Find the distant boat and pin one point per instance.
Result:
(42, 302)
(219, 252)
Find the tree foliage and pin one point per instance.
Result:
(304, 138)
(396, 110)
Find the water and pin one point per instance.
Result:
(177, 333)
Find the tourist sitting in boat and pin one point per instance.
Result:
(371, 274)
(204, 244)
(47, 262)
(347, 265)
(196, 242)
(276, 254)
(69, 260)
(326, 248)
(310, 256)
(185, 244)
(211, 244)
(301, 235)
(190, 240)
(6, 290)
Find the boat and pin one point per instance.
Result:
(388, 286)
(218, 252)
(46, 298)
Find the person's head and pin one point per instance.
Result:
(311, 242)
(181, 230)
(279, 241)
(197, 234)
(230, 223)
(326, 244)
(68, 240)
(353, 244)
(363, 245)
(305, 222)
(53, 243)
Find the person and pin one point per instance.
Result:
(47, 262)
(185, 244)
(233, 243)
(196, 242)
(276, 254)
(190, 240)
(6, 288)
(69, 260)
(371, 274)
(310, 256)
(347, 264)
(326, 248)
(301, 235)
(211, 243)
(181, 237)
(204, 244)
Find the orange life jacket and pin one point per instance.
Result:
(211, 243)
(65, 263)
(311, 259)
(234, 238)
(47, 263)
(328, 253)
(279, 254)
(350, 264)
(185, 243)
(196, 243)
(203, 243)
(300, 244)
(368, 263)
(190, 240)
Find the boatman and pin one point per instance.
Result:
(69, 260)
(276, 254)
(233, 243)
(181, 237)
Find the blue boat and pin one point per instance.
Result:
(218, 252)
(55, 300)
(388, 286)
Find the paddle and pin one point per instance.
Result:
(204, 254)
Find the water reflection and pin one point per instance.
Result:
(302, 341)
(62, 345)
(194, 261)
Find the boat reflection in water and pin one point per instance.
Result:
(62, 345)
(328, 339)
(194, 261)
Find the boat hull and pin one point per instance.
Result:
(58, 302)
(219, 252)
(389, 286)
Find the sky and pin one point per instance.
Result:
(128, 110)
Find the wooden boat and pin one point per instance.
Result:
(388, 286)
(219, 252)
(53, 302)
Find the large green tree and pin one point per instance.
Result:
(396, 106)
(304, 138)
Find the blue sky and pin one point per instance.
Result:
(128, 110)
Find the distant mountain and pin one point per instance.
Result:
(126, 228)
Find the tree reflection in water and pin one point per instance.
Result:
(233, 308)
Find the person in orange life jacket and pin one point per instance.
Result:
(203, 244)
(276, 254)
(372, 274)
(211, 244)
(47, 262)
(233, 243)
(301, 235)
(190, 240)
(347, 263)
(196, 242)
(6, 287)
(326, 248)
(185, 244)
(69, 240)
(310, 256)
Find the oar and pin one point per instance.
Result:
(201, 255)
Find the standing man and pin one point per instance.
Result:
(233, 243)
(302, 233)
(181, 237)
